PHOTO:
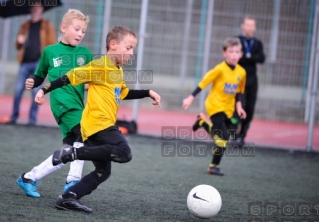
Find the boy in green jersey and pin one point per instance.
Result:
(66, 103)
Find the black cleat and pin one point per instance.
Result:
(240, 141)
(215, 170)
(63, 155)
(71, 203)
(197, 125)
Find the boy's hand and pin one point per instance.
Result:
(39, 97)
(86, 87)
(29, 83)
(187, 102)
(241, 113)
(156, 98)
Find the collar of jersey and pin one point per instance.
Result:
(72, 46)
(232, 67)
(109, 61)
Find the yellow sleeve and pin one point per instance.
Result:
(90, 73)
(124, 90)
(242, 83)
(209, 78)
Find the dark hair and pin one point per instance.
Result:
(231, 41)
(117, 33)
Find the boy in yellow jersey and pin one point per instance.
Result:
(228, 84)
(103, 142)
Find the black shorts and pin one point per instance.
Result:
(111, 135)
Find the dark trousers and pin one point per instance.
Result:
(101, 148)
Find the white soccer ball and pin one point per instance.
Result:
(204, 201)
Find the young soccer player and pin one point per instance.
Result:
(103, 142)
(67, 103)
(228, 83)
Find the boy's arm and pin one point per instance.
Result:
(239, 98)
(208, 79)
(37, 81)
(41, 72)
(77, 76)
(127, 93)
(58, 83)
(62, 81)
(137, 94)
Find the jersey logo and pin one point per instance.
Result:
(57, 61)
(230, 88)
(80, 60)
(238, 79)
(117, 94)
(197, 197)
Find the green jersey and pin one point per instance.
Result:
(56, 60)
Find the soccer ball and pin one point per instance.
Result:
(204, 201)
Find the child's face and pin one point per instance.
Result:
(123, 50)
(232, 54)
(74, 32)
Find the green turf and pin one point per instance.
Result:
(152, 187)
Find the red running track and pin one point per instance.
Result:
(151, 121)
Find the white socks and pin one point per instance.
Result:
(76, 167)
(46, 167)
(42, 169)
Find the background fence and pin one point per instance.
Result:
(174, 45)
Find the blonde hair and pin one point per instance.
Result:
(230, 42)
(118, 33)
(74, 14)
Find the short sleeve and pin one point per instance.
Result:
(209, 78)
(242, 83)
(124, 90)
(43, 66)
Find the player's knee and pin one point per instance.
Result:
(124, 159)
(128, 158)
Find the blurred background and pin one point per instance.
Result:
(176, 50)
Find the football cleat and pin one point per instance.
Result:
(64, 155)
(70, 184)
(71, 203)
(215, 171)
(29, 186)
(200, 117)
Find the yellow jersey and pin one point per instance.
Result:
(106, 89)
(226, 82)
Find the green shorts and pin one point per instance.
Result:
(68, 120)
